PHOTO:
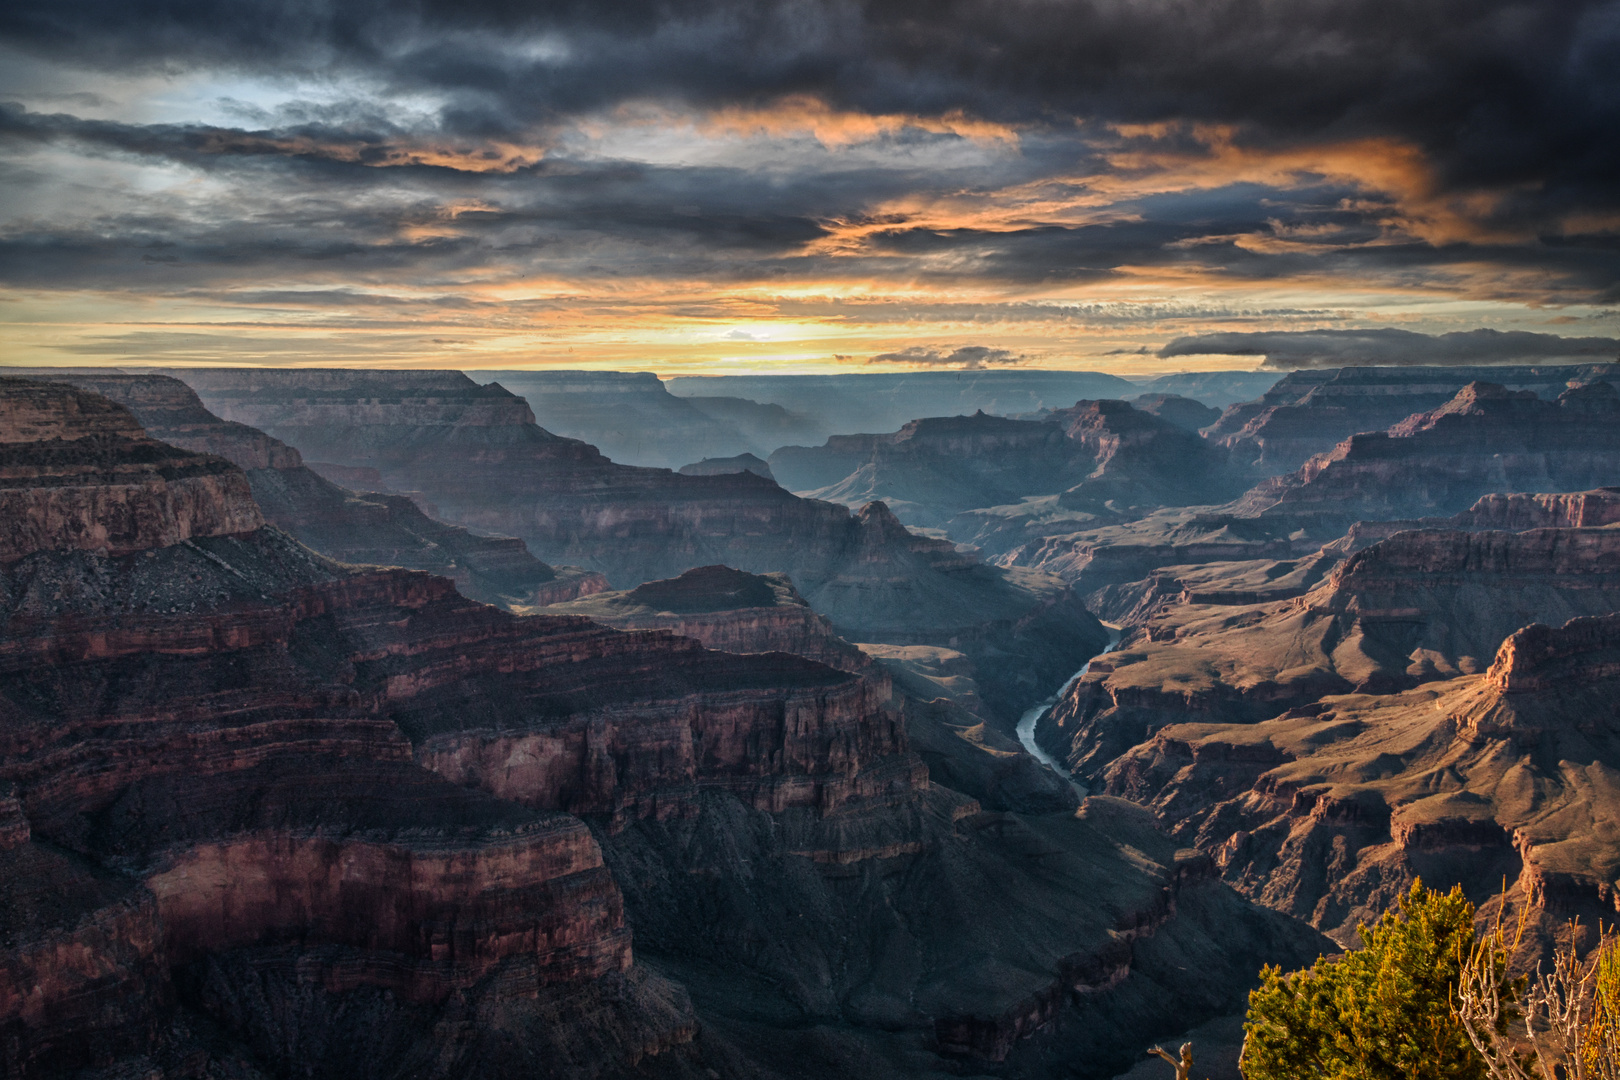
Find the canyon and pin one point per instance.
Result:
(266, 813)
(358, 700)
(1330, 811)
(475, 455)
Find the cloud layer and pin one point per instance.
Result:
(377, 179)
(1389, 346)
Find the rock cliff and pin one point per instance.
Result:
(1418, 606)
(475, 453)
(369, 528)
(1328, 812)
(262, 810)
(1307, 413)
(1485, 439)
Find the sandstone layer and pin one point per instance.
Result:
(369, 528)
(1330, 811)
(1418, 606)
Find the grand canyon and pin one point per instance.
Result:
(355, 724)
(809, 540)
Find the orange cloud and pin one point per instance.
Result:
(485, 157)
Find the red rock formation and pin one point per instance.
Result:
(1332, 810)
(1420, 605)
(371, 528)
(77, 471)
(223, 720)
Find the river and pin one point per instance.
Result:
(1027, 722)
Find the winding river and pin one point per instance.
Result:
(1027, 722)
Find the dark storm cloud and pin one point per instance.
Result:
(1497, 92)
(1337, 348)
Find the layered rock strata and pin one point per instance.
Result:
(1330, 811)
(1485, 439)
(369, 528)
(1307, 413)
(244, 735)
(1418, 606)
(77, 471)
(476, 454)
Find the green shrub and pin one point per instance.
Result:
(1383, 1012)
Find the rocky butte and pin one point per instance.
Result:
(263, 813)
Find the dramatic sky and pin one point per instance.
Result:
(732, 185)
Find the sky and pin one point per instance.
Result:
(728, 186)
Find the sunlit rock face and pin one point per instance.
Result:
(1500, 781)
(1421, 605)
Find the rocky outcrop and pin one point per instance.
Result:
(726, 609)
(77, 471)
(722, 466)
(370, 528)
(1330, 811)
(1485, 439)
(1418, 606)
(1307, 413)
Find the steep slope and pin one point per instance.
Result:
(1418, 606)
(1310, 412)
(476, 454)
(351, 527)
(261, 807)
(1485, 439)
(1331, 811)
(629, 415)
